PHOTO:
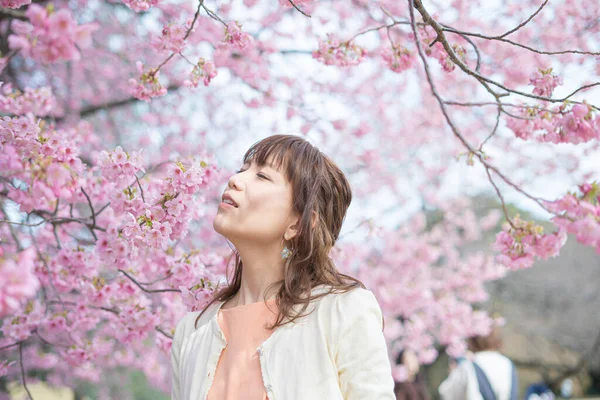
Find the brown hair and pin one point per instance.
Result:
(320, 189)
(493, 341)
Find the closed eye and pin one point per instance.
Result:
(262, 176)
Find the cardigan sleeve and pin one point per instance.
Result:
(175, 356)
(362, 359)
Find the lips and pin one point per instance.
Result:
(227, 199)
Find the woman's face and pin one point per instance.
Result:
(256, 206)
(411, 362)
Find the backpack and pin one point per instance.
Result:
(485, 388)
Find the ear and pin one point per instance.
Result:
(292, 229)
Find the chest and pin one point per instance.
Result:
(297, 363)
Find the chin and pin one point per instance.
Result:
(220, 227)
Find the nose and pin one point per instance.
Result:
(235, 182)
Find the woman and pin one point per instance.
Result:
(413, 387)
(288, 326)
(485, 375)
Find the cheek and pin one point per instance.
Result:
(271, 210)
(262, 219)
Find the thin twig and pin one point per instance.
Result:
(54, 228)
(41, 257)
(487, 171)
(187, 34)
(298, 8)
(450, 29)
(159, 329)
(522, 24)
(23, 371)
(22, 223)
(141, 190)
(103, 208)
(489, 103)
(9, 346)
(91, 228)
(156, 280)
(214, 16)
(495, 127)
(147, 290)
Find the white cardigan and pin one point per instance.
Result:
(337, 352)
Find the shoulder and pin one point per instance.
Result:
(186, 325)
(492, 358)
(347, 307)
(193, 320)
(354, 298)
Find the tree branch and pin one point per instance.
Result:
(15, 14)
(148, 290)
(419, 6)
(448, 28)
(86, 112)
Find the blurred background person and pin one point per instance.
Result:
(484, 374)
(413, 387)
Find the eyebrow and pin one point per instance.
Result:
(270, 165)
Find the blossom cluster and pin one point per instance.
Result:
(50, 36)
(172, 38)
(17, 280)
(140, 5)
(521, 242)
(431, 302)
(235, 37)
(44, 158)
(39, 102)
(579, 214)
(544, 82)
(148, 85)
(204, 71)
(335, 52)
(567, 123)
(119, 166)
(14, 4)
(94, 309)
(397, 58)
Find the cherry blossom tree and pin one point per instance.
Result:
(120, 121)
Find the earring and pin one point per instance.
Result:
(285, 253)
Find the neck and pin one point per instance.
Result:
(262, 267)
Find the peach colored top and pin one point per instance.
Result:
(238, 374)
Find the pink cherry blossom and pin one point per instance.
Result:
(544, 82)
(204, 70)
(234, 36)
(122, 241)
(17, 281)
(14, 4)
(140, 5)
(49, 37)
(398, 58)
(172, 38)
(147, 86)
(334, 52)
